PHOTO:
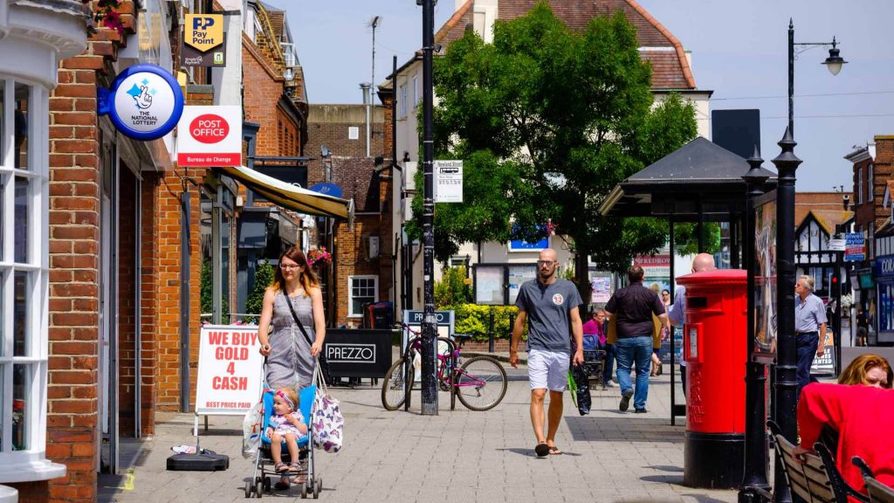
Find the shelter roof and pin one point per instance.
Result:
(698, 177)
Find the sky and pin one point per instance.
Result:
(739, 51)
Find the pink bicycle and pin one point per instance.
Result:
(479, 382)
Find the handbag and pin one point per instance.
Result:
(327, 423)
(322, 363)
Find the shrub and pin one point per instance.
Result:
(474, 320)
(453, 289)
(263, 278)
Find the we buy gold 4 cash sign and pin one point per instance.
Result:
(229, 378)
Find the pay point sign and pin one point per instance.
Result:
(229, 377)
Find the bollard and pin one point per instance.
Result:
(490, 332)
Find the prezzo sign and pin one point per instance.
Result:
(210, 136)
(144, 102)
(229, 376)
(351, 353)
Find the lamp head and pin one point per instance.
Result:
(834, 62)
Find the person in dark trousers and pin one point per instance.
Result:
(633, 307)
(702, 262)
(810, 327)
(550, 306)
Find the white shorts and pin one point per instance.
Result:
(548, 369)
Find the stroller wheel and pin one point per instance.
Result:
(259, 489)
(249, 487)
(317, 487)
(303, 491)
(268, 483)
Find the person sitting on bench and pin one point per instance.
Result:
(862, 417)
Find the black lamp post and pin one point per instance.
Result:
(786, 382)
(429, 324)
(756, 452)
(834, 63)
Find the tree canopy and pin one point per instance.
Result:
(548, 120)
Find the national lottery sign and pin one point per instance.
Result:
(144, 102)
(229, 377)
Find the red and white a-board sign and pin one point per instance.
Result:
(229, 379)
(210, 136)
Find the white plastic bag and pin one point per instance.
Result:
(251, 430)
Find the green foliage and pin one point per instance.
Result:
(206, 293)
(474, 320)
(264, 273)
(454, 288)
(548, 121)
(686, 238)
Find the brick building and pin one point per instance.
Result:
(363, 268)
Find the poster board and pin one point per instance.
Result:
(765, 278)
(229, 377)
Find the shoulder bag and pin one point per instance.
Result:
(322, 363)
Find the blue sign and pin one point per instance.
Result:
(144, 102)
(854, 247)
(327, 188)
(520, 245)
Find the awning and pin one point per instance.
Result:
(290, 196)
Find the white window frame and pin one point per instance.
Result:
(29, 464)
(860, 188)
(375, 280)
(402, 101)
(870, 183)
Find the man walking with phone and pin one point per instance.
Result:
(550, 306)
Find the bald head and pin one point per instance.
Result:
(703, 262)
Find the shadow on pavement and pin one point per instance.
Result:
(623, 428)
(666, 468)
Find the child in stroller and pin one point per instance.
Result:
(286, 426)
(300, 467)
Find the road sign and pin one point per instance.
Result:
(448, 181)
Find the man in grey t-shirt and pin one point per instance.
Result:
(550, 307)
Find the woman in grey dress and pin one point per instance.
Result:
(290, 356)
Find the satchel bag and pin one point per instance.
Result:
(322, 363)
(327, 423)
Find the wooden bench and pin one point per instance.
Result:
(812, 477)
(878, 492)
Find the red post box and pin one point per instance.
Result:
(715, 347)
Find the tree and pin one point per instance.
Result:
(264, 273)
(548, 121)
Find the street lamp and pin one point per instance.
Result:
(834, 63)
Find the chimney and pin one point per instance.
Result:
(366, 87)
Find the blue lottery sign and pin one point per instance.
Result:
(144, 102)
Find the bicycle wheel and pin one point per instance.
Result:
(480, 383)
(393, 385)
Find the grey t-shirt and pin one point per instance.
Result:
(548, 308)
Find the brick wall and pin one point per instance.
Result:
(328, 125)
(149, 284)
(279, 133)
(883, 171)
(75, 185)
(168, 235)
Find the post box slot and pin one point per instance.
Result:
(697, 302)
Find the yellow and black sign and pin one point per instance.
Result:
(203, 31)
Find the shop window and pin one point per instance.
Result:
(361, 290)
(24, 276)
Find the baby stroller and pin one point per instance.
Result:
(264, 472)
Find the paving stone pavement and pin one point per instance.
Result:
(456, 456)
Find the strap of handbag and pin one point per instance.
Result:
(318, 370)
(297, 321)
